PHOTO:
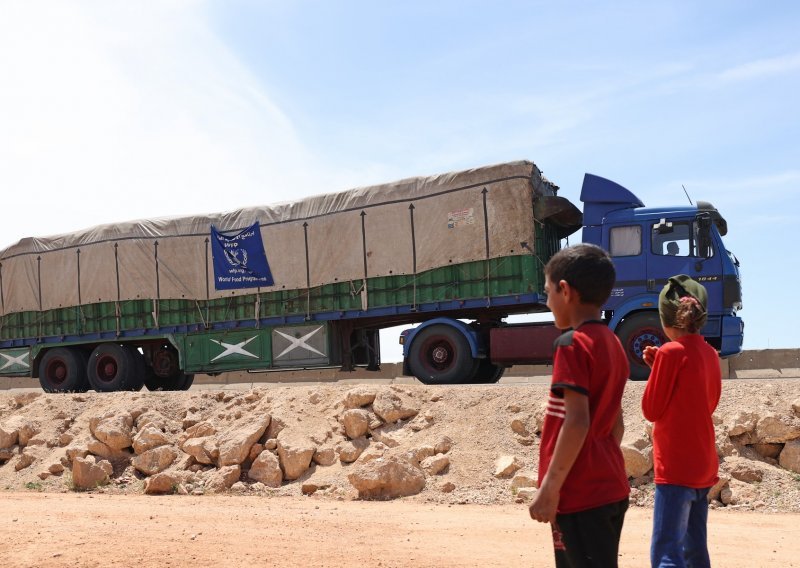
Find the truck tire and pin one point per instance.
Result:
(440, 355)
(637, 332)
(63, 369)
(165, 374)
(178, 382)
(113, 367)
(487, 372)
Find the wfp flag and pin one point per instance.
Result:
(239, 259)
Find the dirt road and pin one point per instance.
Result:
(93, 530)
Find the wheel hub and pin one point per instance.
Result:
(440, 355)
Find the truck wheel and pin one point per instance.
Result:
(114, 367)
(637, 332)
(488, 373)
(440, 355)
(179, 381)
(63, 370)
(136, 380)
(165, 374)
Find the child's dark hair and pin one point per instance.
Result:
(587, 268)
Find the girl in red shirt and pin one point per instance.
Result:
(680, 397)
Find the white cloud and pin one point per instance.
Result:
(118, 111)
(763, 68)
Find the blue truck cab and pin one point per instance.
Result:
(648, 245)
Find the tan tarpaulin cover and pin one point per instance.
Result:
(118, 262)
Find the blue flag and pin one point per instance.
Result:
(239, 259)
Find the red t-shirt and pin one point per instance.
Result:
(589, 360)
(680, 397)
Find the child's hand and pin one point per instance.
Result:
(543, 508)
(649, 355)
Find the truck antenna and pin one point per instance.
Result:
(687, 194)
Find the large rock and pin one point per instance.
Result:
(775, 429)
(197, 430)
(234, 445)
(350, 450)
(359, 397)
(387, 478)
(205, 450)
(741, 423)
(104, 451)
(725, 447)
(743, 469)
(113, 429)
(524, 479)
(156, 460)
(796, 407)
(324, 456)
(223, 478)
(149, 437)
(790, 456)
(715, 492)
(444, 445)
(391, 407)
(26, 458)
(506, 466)
(417, 455)
(267, 469)
(771, 451)
(27, 430)
(89, 474)
(637, 461)
(355, 422)
(161, 483)
(9, 432)
(435, 465)
(295, 451)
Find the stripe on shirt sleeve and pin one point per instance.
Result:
(571, 387)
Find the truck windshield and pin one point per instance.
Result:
(677, 238)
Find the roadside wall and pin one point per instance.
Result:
(755, 364)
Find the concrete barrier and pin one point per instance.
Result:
(755, 364)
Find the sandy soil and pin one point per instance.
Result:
(89, 530)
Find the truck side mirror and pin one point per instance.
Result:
(704, 235)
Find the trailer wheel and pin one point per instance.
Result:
(178, 382)
(165, 374)
(114, 367)
(63, 370)
(636, 333)
(488, 373)
(441, 355)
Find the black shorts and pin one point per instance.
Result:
(589, 538)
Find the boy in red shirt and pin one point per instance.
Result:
(680, 397)
(583, 487)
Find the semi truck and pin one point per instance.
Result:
(310, 283)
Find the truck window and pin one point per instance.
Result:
(678, 238)
(625, 241)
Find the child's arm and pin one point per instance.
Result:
(658, 392)
(568, 446)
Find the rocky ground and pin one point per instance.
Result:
(450, 445)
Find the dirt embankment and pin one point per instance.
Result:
(273, 476)
(464, 444)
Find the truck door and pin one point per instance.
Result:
(625, 243)
(685, 246)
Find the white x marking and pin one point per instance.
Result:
(11, 360)
(296, 342)
(231, 349)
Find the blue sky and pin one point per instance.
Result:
(114, 111)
